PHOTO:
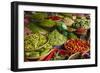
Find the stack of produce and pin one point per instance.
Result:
(76, 45)
(56, 36)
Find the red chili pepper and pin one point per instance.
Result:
(62, 52)
(51, 54)
(55, 17)
(44, 58)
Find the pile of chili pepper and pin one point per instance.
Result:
(55, 18)
(52, 54)
(76, 45)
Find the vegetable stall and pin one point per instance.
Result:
(56, 36)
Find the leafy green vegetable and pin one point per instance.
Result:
(47, 46)
(61, 26)
(55, 38)
(36, 29)
(39, 16)
(47, 23)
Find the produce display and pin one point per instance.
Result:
(52, 36)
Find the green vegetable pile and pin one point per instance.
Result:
(85, 23)
(36, 29)
(56, 38)
(38, 44)
(34, 41)
(48, 23)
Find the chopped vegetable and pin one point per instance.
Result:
(56, 38)
(34, 41)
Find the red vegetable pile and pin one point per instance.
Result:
(52, 54)
(76, 45)
(55, 18)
